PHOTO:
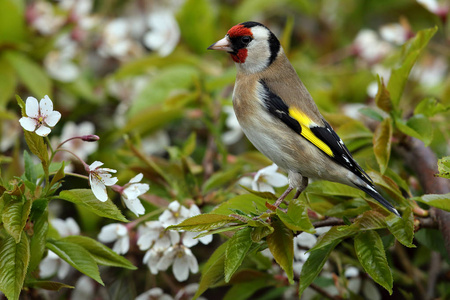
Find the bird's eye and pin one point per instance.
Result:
(246, 39)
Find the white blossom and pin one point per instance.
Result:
(394, 33)
(154, 294)
(117, 233)
(267, 178)
(116, 40)
(370, 47)
(189, 239)
(174, 214)
(84, 289)
(182, 259)
(235, 132)
(164, 32)
(439, 8)
(99, 178)
(40, 116)
(66, 227)
(52, 264)
(42, 16)
(59, 62)
(154, 234)
(132, 191)
(152, 258)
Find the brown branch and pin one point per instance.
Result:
(433, 273)
(424, 163)
(427, 223)
(324, 292)
(329, 222)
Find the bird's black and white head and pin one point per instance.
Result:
(252, 46)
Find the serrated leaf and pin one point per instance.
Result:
(30, 73)
(39, 237)
(213, 270)
(281, 246)
(258, 233)
(382, 143)
(59, 175)
(296, 217)
(37, 146)
(430, 107)
(314, 264)
(335, 235)
(77, 257)
(30, 170)
(203, 222)
(236, 251)
(411, 51)
(370, 252)
(444, 167)
(247, 203)
(14, 259)
(86, 198)
(14, 217)
(48, 285)
(383, 98)
(101, 254)
(402, 228)
(441, 201)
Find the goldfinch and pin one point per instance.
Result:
(278, 115)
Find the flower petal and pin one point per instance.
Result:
(122, 245)
(32, 107)
(181, 268)
(43, 130)
(53, 118)
(95, 165)
(98, 188)
(135, 206)
(276, 179)
(108, 233)
(137, 178)
(28, 124)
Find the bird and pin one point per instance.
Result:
(280, 118)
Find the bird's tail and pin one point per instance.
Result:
(374, 194)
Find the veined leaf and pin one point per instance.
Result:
(402, 228)
(236, 251)
(76, 256)
(314, 264)
(411, 51)
(247, 203)
(14, 259)
(39, 237)
(213, 270)
(441, 201)
(101, 254)
(417, 126)
(86, 198)
(370, 252)
(382, 143)
(14, 217)
(296, 217)
(335, 235)
(281, 246)
(203, 222)
(48, 285)
(383, 98)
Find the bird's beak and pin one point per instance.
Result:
(222, 45)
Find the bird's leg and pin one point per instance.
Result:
(279, 200)
(301, 188)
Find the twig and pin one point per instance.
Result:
(433, 273)
(324, 292)
(329, 222)
(427, 223)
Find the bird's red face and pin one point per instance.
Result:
(235, 42)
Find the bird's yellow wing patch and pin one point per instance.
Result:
(305, 123)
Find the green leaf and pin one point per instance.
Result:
(85, 198)
(422, 128)
(30, 73)
(203, 222)
(410, 52)
(244, 290)
(221, 178)
(247, 203)
(8, 79)
(259, 233)
(30, 170)
(444, 167)
(77, 257)
(383, 99)
(39, 237)
(382, 143)
(402, 228)
(429, 107)
(14, 217)
(370, 252)
(433, 240)
(281, 246)
(296, 217)
(313, 265)
(14, 259)
(48, 285)
(236, 251)
(441, 201)
(335, 235)
(197, 16)
(59, 175)
(213, 270)
(101, 254)
(12, 23)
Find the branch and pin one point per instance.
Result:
(329, 222)
(424, 163)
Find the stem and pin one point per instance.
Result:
(85, 165)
